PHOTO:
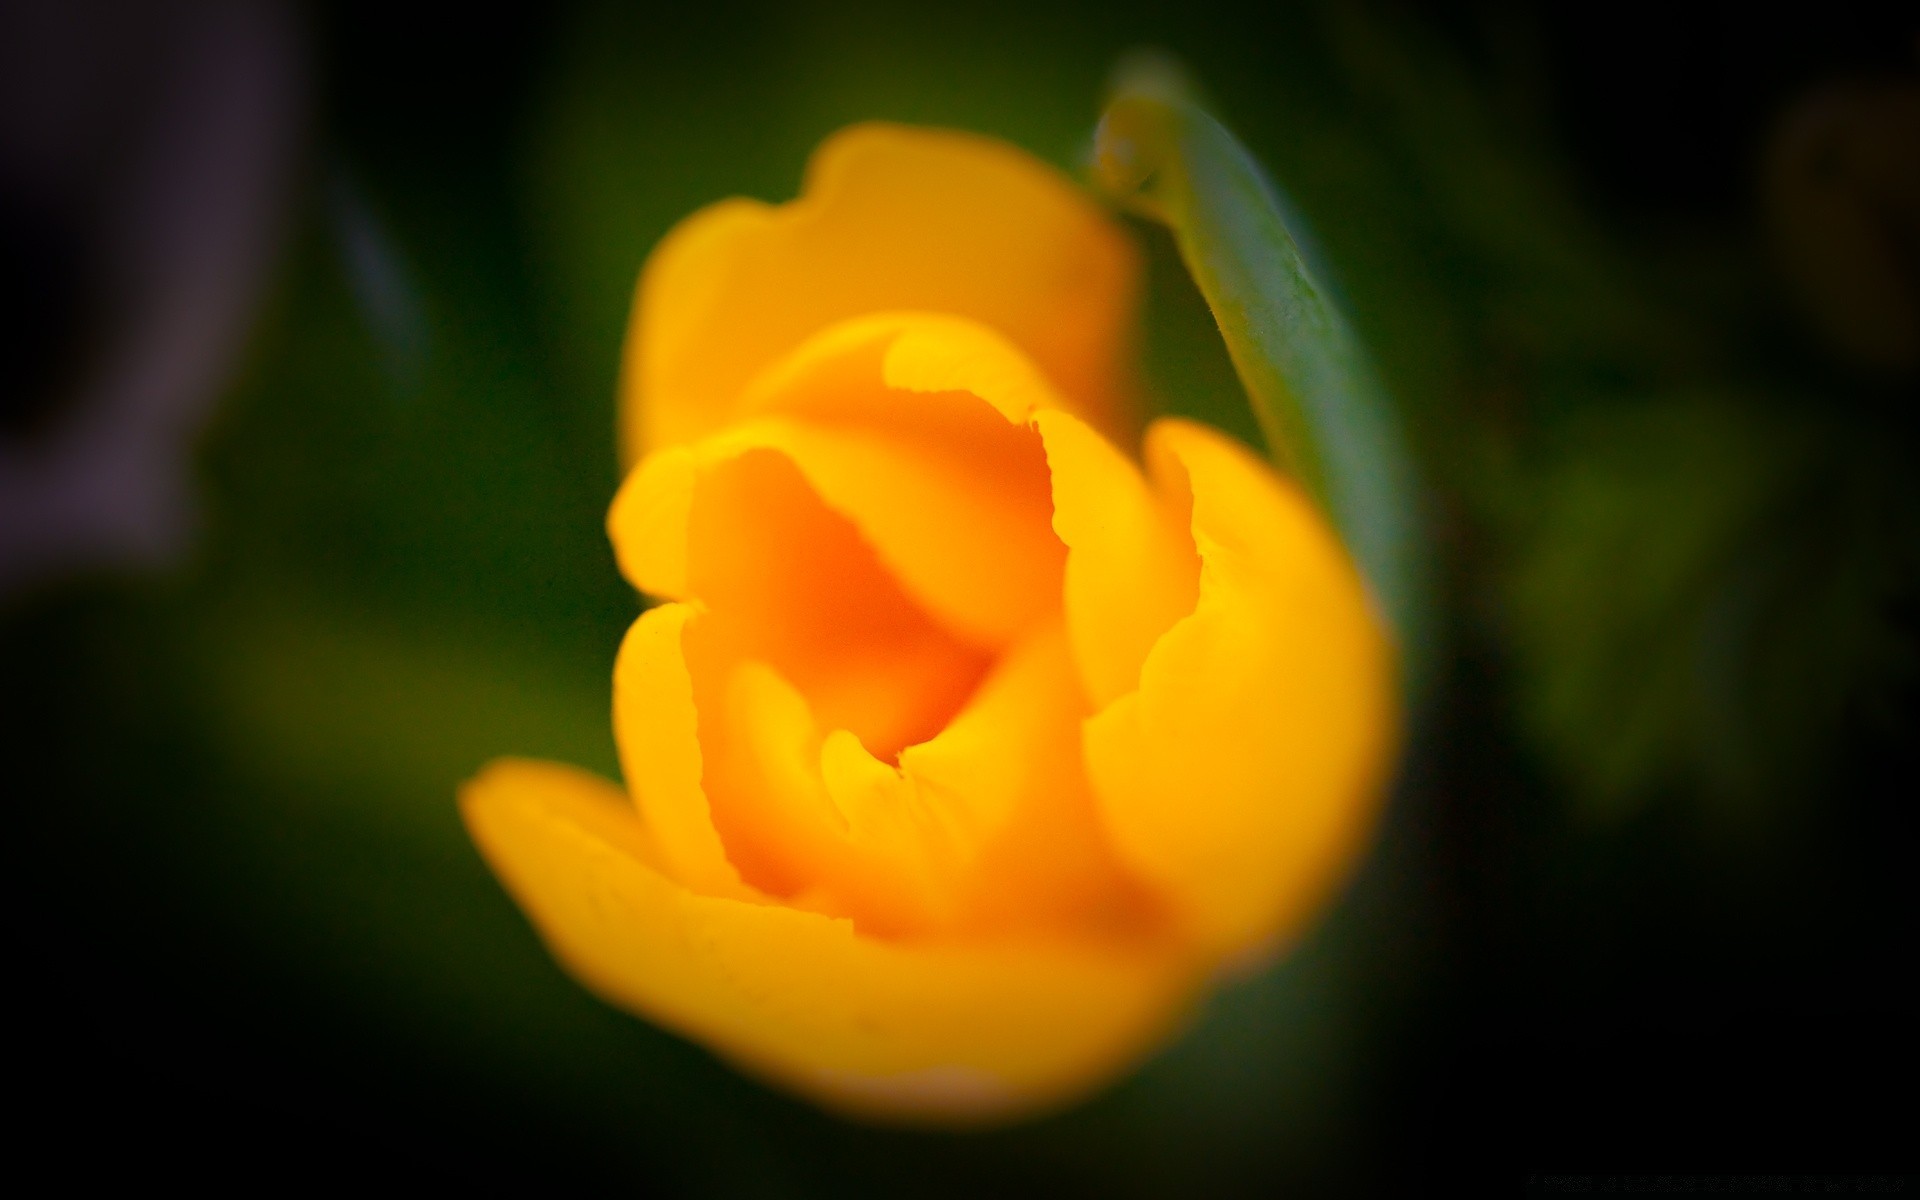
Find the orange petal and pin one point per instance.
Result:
(890, 218)
(987, 825)
(884, 417)
(948, 1033)
(1008, 770)
(815, 819)
(1244, 773)
(914, 428)
(790, 582)
(649, 518)
(655, 726)
(1131, 572)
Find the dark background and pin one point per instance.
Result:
(1640, 900)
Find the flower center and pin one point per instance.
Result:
(807, 633)
(792, 584)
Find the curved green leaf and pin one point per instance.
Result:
(1325, 414)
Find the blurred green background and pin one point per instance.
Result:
(1642, 893)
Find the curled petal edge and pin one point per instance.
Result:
(871, 411)
(890, 217)
(1245, 771)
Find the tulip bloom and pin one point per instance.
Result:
(976, 728)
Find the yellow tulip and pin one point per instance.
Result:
(976, 729)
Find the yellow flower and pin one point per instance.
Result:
(974, 731)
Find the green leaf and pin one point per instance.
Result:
(1325, 414)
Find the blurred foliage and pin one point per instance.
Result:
(1677, 537)
(1631, 560)
(1701, 591)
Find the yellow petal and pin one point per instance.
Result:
(649, 518)
(656, 728)
(1008, 771)
(815, 819)
(904, 1031)
(987, 826)
(890, 218)
(1131, 571)
(790, 582)
(1244, 773)
(914, 428)
(845, 373)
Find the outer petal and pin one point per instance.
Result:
(890, 218)
(894, 1030)
(1244, 772)
(656, 727)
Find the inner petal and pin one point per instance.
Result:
(987, 827)
(791, 583)
(915, 426)
(917, 429)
